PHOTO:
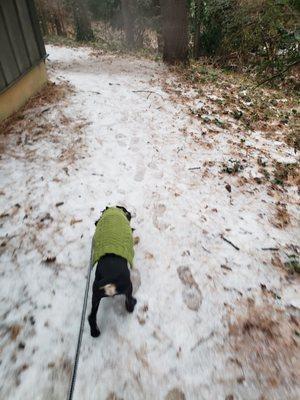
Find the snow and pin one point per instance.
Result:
(124, 145)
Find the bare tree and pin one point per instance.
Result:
(199, 8)
(175, 30)
(128, 21)
(52, 16)
(82, 21)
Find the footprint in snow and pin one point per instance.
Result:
(134, 140)
(191, 294)
(119, 306)
(157, 171)
(152, 165)
(175, 394)
(120, 137)
(158, 212)
(135, 277)
(140, 172)
(142, 315)
(113, 396)
(159, 209)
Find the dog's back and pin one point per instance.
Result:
(113, 270)
(113, 235)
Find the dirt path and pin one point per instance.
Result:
(217, 316)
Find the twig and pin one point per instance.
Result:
(279, 74)
(228, 241)
(270, 248)
(237, 362)
(147, 91)
(202, 340)
(225, 267)
(227, 289)
(193, 168)
(205, 249)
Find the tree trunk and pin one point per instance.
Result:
(199, 8)
(82, 21)
(58, 27)
(43, 17)
(128, 21)
(160, 43)
(157, 14)
(175, 30)
(44, 23)
(61, 19)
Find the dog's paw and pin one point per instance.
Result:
(130, 304)
(95, 332)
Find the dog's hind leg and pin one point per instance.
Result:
(130, 301)
(97, 296)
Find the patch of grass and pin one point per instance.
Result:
(293, 139)
(293, 264)
(282, 217)
(106, 40)
(66, 41)
(203, 73)
(273, 112)
(220, 123)
(232, 166)
(286, 173)
(263, 338)
(265, 173)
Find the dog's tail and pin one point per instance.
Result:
(106, 284)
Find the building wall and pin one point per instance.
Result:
(17, 95)
(22, 52)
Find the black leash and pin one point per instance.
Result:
(74, 372)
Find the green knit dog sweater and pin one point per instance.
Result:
(113, 235)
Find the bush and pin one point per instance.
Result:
(256, 33)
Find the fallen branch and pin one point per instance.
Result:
(279, 73)
(147, 91)
(225, 267)
(270, 248)
(205, 249)
(229, 242)
(193, 168)
(202, 340)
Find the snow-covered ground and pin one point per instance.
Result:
(212, 321)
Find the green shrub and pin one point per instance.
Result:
(261, 34)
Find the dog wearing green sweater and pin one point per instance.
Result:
(112, 252)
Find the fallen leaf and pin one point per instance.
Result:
(148, 255)
(49, 259)
(21, 346)
(228, 187)
(15, 331)
(225, 267)
(75, 221)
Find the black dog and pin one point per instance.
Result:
(112, 278)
